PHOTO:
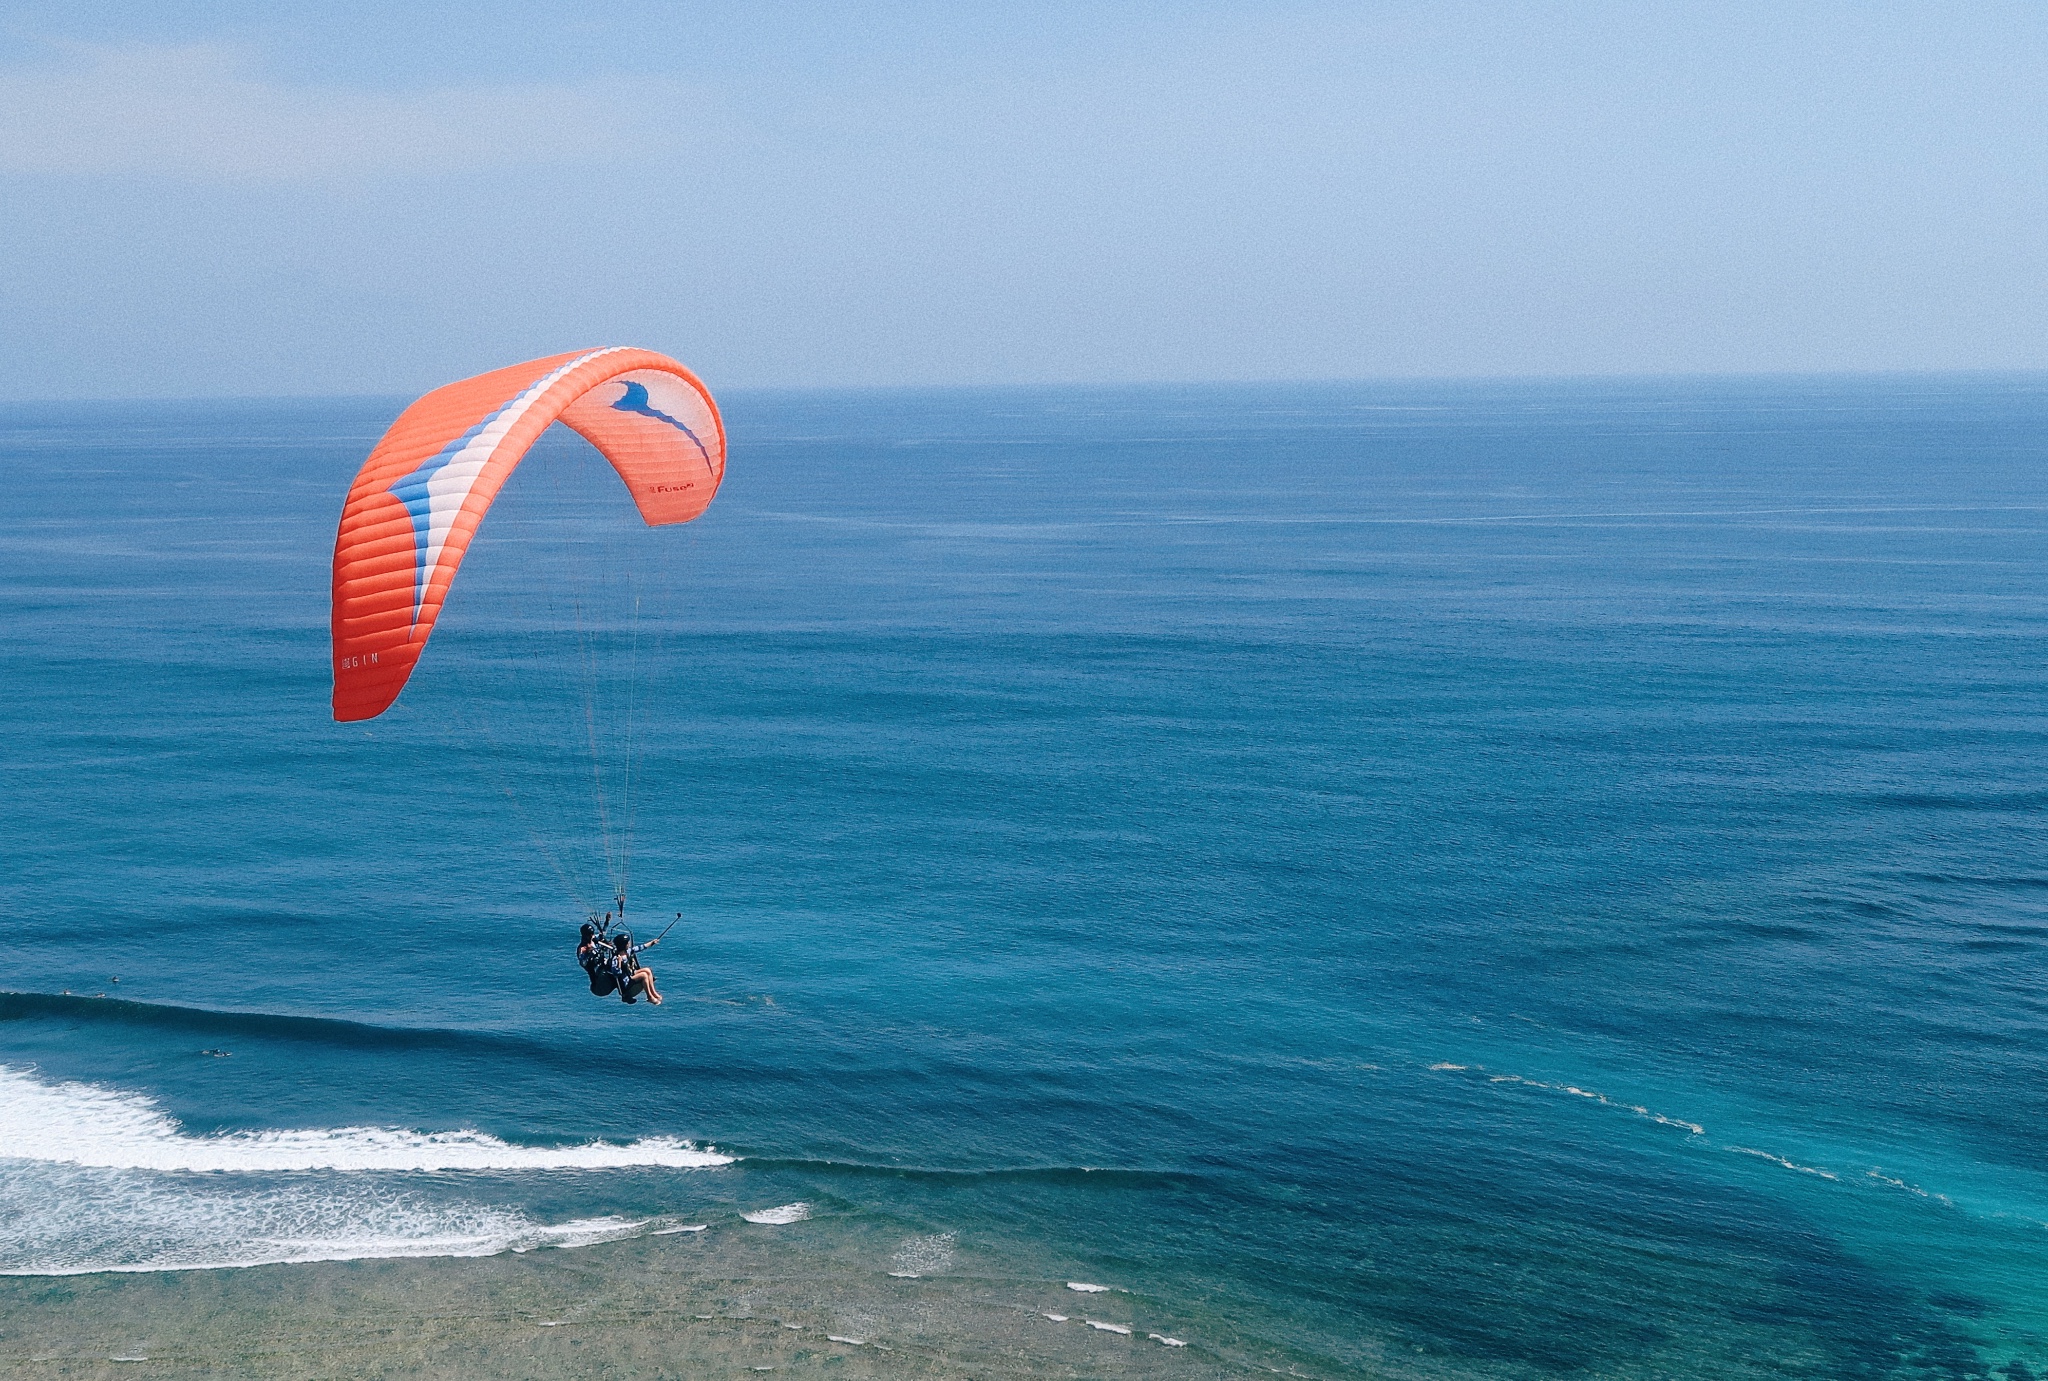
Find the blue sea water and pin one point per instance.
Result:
(1449, 879)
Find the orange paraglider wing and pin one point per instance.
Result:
(419, 498)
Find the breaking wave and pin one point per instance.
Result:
(101, 1179)
(92, 1126)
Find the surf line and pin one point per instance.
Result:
(1780, 1160)
(1877, 1173)
(1690, 1128)
(96, 1127)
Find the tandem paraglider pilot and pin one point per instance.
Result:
(592, 956)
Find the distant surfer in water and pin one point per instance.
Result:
(633, 979)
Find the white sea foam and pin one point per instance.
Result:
(112, 1129)
(1591, 1095)
(1085, 1288)
(855, 1342)
(1780, 1160)
(776, 1217)
(588, 1232)
(98, 1179)
(1879, 1175)
(1162, 1338)
(923, 1256)
(81, 1221)
(1057, 1318)
(681, 1227)
(1109, 1327)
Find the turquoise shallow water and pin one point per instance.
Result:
(1455, 879)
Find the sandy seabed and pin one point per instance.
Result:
(719, 1303)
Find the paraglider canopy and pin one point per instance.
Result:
(419, 498)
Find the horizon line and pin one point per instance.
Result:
(1276, 381)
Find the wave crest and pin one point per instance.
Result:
(111, 1129)
(101, 1179)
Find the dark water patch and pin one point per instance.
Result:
(1985, 801)
(1869, 1331)
(2017, 882)
(327, 1031)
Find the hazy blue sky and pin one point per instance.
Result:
(378, 195)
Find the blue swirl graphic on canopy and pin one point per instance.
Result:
(635, 400)
(412, 491)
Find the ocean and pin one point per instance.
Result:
(1375, 880)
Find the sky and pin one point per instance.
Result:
(222, 197)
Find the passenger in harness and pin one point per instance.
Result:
(631, 978)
